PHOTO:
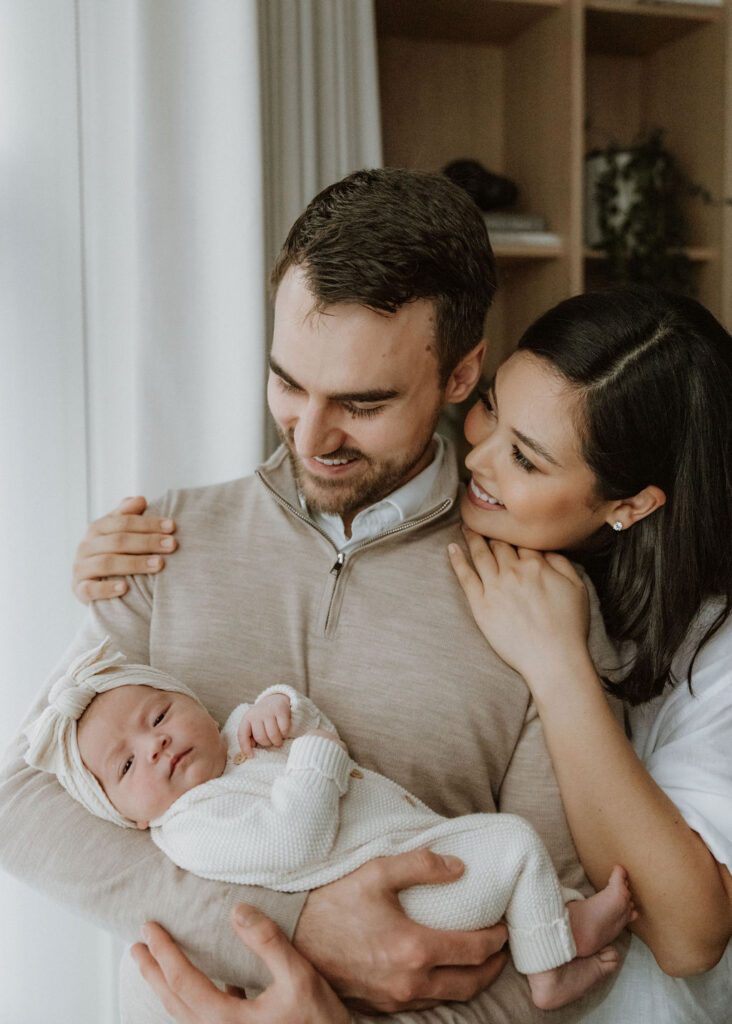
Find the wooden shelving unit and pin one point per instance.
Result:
(527, 87)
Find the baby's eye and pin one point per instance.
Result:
(160, 717)
(126, 766)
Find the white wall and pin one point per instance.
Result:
(54, 966)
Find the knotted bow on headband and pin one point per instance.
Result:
(53, 745)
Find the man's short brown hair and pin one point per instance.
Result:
(382, 238)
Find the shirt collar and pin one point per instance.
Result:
(403, 503)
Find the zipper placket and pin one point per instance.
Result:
(340, 561)
(342, 556)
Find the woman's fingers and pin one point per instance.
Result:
(481, 551)
(467, 577)
(563, 566)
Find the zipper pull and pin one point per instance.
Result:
(338, 565)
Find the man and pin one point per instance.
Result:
(328, 571)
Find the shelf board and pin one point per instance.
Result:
(495, 22)
(637, 29)
(696, 253)
(519, 251)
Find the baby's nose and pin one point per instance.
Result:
(159, 743)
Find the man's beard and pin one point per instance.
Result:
(345, 497)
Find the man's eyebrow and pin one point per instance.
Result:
(371, 395)
(535, 446)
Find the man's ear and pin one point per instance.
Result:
(632, 510)
(465, 376)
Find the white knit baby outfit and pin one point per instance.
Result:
(300, 816)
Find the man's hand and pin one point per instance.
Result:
(122, 543)
(297, 995)
(356, 934)
(266, 724)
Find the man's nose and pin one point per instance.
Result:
(317, 431)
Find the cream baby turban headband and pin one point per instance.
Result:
(52, 739)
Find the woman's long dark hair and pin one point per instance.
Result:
(655, 372)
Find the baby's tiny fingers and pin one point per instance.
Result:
(246, 743)
(259, 732)
(273, 732)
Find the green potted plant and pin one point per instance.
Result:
(634, 212)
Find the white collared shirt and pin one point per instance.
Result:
(392, 510)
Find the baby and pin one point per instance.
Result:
(136, 747)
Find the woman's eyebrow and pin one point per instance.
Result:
(535, 446)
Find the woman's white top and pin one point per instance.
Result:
(685, 742)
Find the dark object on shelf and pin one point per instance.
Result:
(490, 191)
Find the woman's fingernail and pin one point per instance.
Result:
(119, 588)
(167, 543)
(154, 562)
(166, 524)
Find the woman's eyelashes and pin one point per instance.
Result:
(520, 459)
(486, 396)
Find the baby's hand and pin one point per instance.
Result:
(328, 735)
(266, 724)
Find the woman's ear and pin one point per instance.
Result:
(466, 374)
(632, 510)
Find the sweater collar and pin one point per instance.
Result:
(276, 473)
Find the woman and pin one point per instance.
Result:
(609, 435)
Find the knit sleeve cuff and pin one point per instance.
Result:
(319, 754)
(304, 713)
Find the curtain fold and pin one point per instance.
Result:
(172, 155)
(154, 153)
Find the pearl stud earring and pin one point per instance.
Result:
(617, 526)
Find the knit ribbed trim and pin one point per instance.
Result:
(541, 948)
(318, 753)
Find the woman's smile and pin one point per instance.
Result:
(482, 499)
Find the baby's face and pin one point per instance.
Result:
(147, 747)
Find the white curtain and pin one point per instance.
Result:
(152, 156)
